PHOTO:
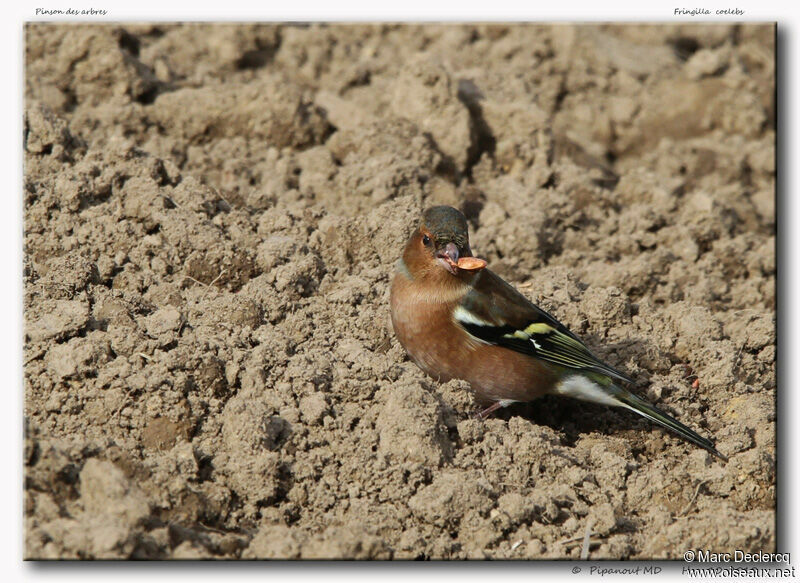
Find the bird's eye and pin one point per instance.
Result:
(426, 240)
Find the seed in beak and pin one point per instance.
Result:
(471, 263)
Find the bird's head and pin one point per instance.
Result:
(441, 242)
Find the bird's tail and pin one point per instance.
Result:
(600, 389)
(645, 409)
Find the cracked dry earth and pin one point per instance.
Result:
(212, 215)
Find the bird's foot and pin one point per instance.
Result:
(481, 415)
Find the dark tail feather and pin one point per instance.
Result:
(645, 409)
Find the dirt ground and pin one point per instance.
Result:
(212, 216)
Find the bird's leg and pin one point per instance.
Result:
(494, 407)
(489, 410)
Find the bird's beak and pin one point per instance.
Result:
(448, 257)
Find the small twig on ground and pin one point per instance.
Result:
(215, 280)
(213, 529)
(172, 201)
(586, 536)
(207, 285)
(577, 539)
(118, 412)
(685, 511)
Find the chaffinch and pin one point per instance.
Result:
(457, 319)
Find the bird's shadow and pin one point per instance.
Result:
(574, 418)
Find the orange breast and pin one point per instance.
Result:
(444, 350)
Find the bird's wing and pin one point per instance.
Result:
(496, 313)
